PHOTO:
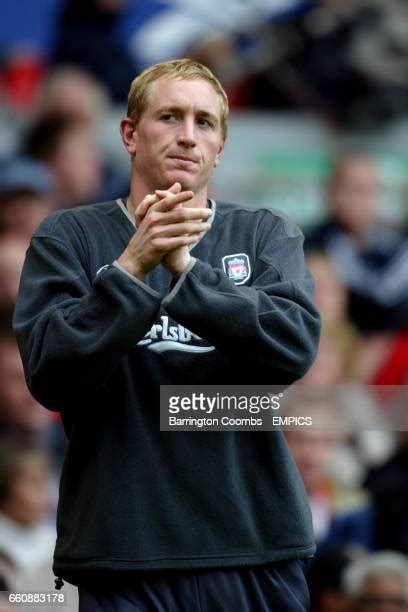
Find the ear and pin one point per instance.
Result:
(127, 131)
(219, 152)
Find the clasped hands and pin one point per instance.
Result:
(164, 230)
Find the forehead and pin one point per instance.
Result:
(197, 94)
(390, 583)
(357, 168)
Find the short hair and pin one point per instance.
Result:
(186, 69)
(44, 138)
(385, 563)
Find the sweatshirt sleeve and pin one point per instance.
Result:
(272, 323)
(72, 332)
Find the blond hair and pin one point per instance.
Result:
(186, 69)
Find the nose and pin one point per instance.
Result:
(186, 135)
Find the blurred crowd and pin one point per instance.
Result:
(347, 62)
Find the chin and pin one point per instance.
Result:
(186, 182)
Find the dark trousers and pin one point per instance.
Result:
(274, 587)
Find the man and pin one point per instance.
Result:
(26, 196)
(67, 148)
(377, 583)
(169, 287)
(370, 257)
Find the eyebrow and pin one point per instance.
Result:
(178, 109)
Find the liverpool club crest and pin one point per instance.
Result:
(237, 267)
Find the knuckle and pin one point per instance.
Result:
(157, 243)
(155, 231)
(152, 219)
(182, 214)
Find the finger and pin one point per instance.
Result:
(172, 243)
(148, 199)
(179, 215)
(170, 201)
(174, 189)
(196, 237)
(180, 229)
(142, 208)
(190, 214)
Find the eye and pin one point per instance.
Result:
(168, 116)
(205, 122)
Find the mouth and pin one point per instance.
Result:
(183, 159)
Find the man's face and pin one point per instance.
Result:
(178, 137)
(311, 451)
(383, 594)
(354, 192)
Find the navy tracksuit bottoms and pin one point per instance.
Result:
(274, 587)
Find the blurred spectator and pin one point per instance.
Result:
(334, 361)
(330, 292)
(343, 361)
(340, 342)
(26, 535)
(67, 147)
(72, 92)
(19, 411)
(87, 38)
(388, 485)
(341, 513)
(371, 259)
(26, 196)
(324, 579)
(12, 255)
(76, 95)
(377, 583)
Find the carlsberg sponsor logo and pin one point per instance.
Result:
(163, 337)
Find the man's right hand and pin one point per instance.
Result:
(165, 227)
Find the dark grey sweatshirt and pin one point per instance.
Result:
(97, 344)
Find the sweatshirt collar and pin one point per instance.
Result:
(121, 202)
